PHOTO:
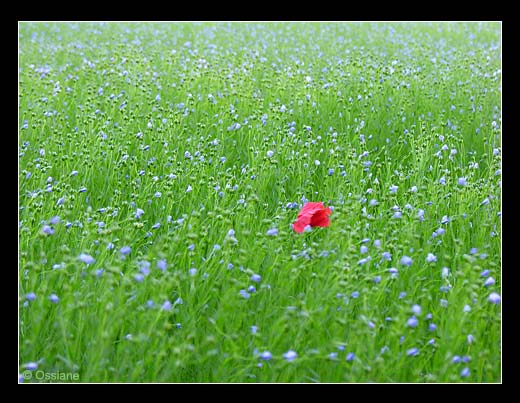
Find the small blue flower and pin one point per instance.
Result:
(393, 189)
(402, 294)
(125, 250)
(254, 329)
(31, 366)
(54, 298)
(166, 306)
(363, 249)
(256, 278)
(416, 309)
(363, 261)
(387, 256)
(406, 261)
(138, 213)
(87, 259)
(355, 294)
(272, 232)
(432, 327)
(412, 322)
(138, 277)
(455, 359)
(465, 373)
(494, 298)
(412, 352)
(489, 281)
(431, 258)
(466, 308)
(244, 294)
(48, 230)
(350, 357)
(30, 296)
(290, 355)
(266, 355)
(162, 264)
(462, 181)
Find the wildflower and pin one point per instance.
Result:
(87, 259)
(494, 298)
(290, 355)
(254, 329)
(125, 250)
(412, 352)
(46, 229)
(445, 272)
(313, 214)
(489, 281)
(54, 298)
(162, 264)
(30, 296)
(412, 322)
(272, 232)
(455, 359)
(393, 189)
(270, 153)
(465, 372)
(256, 278)
(462, 181)
(386, 256)
(406, 261)
(416, 309)
(466, 308)
(431, 258)
(244, 294)
(350, 357)
(266, 355)
(363, 249)
(166, 306)
(31, 366)
(432, 327)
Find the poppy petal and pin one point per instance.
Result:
(320, 219)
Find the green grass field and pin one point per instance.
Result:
(161, 166)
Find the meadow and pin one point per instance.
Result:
(162, 165)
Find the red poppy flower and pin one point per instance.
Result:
(313, 214)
